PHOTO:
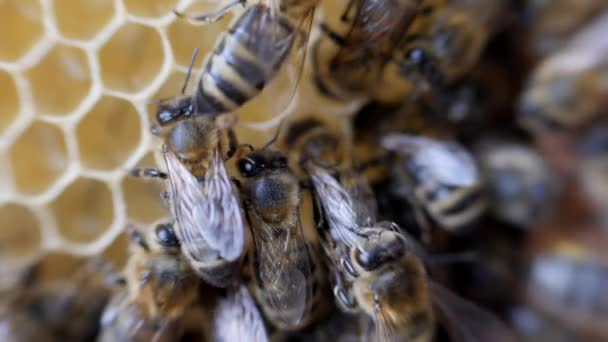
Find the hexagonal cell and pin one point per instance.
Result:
(23, 20)
(20, 236)
(60, 81)
(108, 134)
(9, 100)
(185, 37)
(76, 19)
(38, 157)
(149, 8)
(84, 210)
(131, 59)
(142, 196)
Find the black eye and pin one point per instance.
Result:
(164, 116)
(279, 163)
(247, 168)
(379, 255)
(166, 235)
(417, 56)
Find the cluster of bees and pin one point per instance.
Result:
(441, 180)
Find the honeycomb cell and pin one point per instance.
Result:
(22, 19)
(142, 196)
(9, 100)
(20, 236)
(83, 211)
(185, 37)
(148, 8)
(131, 59)
(38, 157)
(60, 81)
(108, 134)
(82, 20)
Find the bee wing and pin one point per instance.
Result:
(337, 205)
(208, 213)
(237, 318)
(464, 320)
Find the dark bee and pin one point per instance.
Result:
(283, 265)
(593, 168)
(160, 287)
(439, 177)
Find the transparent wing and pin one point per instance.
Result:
(337, 203)
(465, 321)
(208, 214)
(237, 318)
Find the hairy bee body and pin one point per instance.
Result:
(284, 266)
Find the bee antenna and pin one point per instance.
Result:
(189, 73)
(276, 135)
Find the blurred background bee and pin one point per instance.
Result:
(205, 204)
(237, 318)
(160, 288)
(284, 267)
(593, 172)
(68, 309)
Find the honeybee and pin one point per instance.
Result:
(355, 67)
(440, 179)
(569, 88)
(593, 168)
(205, 204)
(566, 276)
(446, 41)
(522, 188)
(237, 318)
(68, 309)
(247, 57)
(160, 287)
(339, 327)
(284, 266)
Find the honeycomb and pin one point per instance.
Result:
(77, 79)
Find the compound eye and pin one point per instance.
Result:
(164, 116)
(248, 168)
(166, 235)
(417, 56)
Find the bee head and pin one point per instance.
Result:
(165, 236)
(169, 111)
(259, 161)
(193, 140)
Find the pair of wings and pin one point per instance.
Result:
(208, 214)
(237, 318)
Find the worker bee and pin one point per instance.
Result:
(593, 168)
(566, 276)
(237, 318)
(445, 43)
(205, 205)
(339, 327)
(439, 178)
(522, 188)
(283, 265)
(248, 56)
(355, 66)
(568, 90)
(160, 287)
(65, 309)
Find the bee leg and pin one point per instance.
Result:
(336, 37)
(137, 237)
(148, 173)
(232, 144)
(213, 16)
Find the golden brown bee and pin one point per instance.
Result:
(441, 178)
(61, 310)
(522, 188)
(444, 43)
(566, 276)
(569, 89)
(237, 318)
(284, 266)
(160, 287)
(248, 56)
(375, 28)
(205, 204)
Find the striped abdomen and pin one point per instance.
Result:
(247, 57)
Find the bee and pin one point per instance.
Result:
(446, 41)
(339, 327)
(439, 179)
(248, 56)
(68, 309)
(237, 318)
(355, 66)
(389, 283)
(160, 287)
(566, 276)
(593, 168)
(284, 266)
(568, 90)
(205, 204)
(521, 186)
